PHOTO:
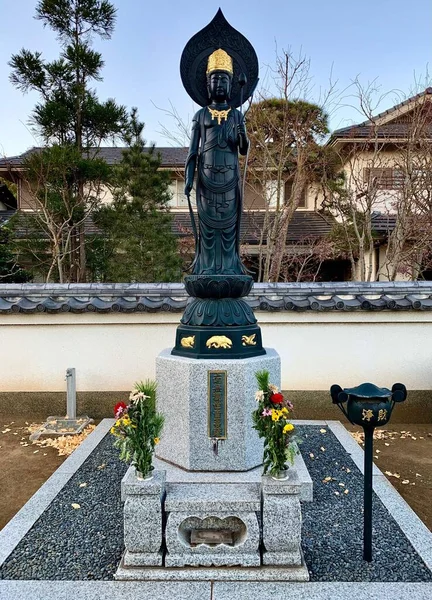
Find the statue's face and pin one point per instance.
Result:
(219, 86)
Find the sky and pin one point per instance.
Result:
(388, 42)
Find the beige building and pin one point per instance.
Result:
(387, 164)
(387, 167)
(307, 222)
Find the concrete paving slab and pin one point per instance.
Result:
(321, 591)
(104, 590)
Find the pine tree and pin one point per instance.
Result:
(137, 228)
(69, 114)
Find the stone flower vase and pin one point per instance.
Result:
(281, 475)
(144, 477)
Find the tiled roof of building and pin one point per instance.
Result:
(172, 297)
(386, 131)
(389, 130)
(304, 225)
(171, 157)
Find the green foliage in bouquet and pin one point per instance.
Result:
(138, 427)
(271, 420)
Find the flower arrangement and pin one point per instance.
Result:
(271, 420)
(138, 427)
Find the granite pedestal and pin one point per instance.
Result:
(282, 520)
(143, 519)
(216, 509)
(182, 396)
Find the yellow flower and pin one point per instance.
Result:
(284, 411)
(156, 440)
(125, 421)
(275, 415)
(288, 427)
(115, 431)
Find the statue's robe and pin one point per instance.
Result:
(218, 193)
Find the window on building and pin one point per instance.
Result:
(384, 178)
(178, 199)
(271, 189)
(288, 191)
(271, 193)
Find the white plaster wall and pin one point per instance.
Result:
(112, 351)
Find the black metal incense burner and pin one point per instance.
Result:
(368, 406)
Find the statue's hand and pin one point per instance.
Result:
(241, 132)
(242, 139)
(188, 188)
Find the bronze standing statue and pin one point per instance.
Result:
(219, 70)
(218, 135)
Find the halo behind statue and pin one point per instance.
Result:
(193, 64)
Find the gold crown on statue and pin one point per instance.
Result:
(219, 60)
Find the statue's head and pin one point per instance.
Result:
(219, 75)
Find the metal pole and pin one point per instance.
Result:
(71, 394)
(367, 500)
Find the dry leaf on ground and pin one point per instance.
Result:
(392, 474)
(64, 444)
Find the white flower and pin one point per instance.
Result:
(136, 396)
(273, 388)
(259, 396)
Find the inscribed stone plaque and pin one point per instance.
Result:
(217, 404)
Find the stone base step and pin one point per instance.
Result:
(299, 573)
(213, 497)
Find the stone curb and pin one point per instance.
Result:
(157, 590)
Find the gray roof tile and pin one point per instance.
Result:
(128, 298)
(171, 157)
(367, 129)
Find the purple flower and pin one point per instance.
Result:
(267, 412)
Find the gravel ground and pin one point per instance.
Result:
(87, 542)
(77, 543)
(332, 536)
